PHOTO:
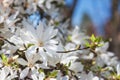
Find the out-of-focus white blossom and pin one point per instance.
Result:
(118, 69)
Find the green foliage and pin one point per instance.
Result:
(29, 45)
(56, 23)
(94, 42)
(69, 64)
(92, 38)
(8, 61)
(53, 74)
(63, 68)
(4, 59)
(69, 38)
(115, 77)
(40, 70)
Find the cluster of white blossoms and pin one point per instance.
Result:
(47, 49)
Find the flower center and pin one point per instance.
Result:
(30, 65)
(41, 44)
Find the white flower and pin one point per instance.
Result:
(40, 76)
(1, 19)
(31, 57)
(102, 49)
(88, 76)
(10, 21)
(24, 73)
(66, 58)
(41, 37)
(9, 27)
(52, 58)
(105, 57)
(76, 67)
(6, 73)
(70, 46)
(78, 37)
(60, 77)
(118, 69)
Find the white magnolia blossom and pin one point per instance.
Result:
(118, 69)
(31, 57)
(40, 76)
(40, 36)
(7, 73)
(89, 76)
(106, 57)
(77, 37)
(49, 50)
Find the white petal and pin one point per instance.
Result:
(48, 5)
(30, 28)
(40, 30)
(90, 75)
(54, 33)
(24, 73)
(2, 74)
(53, 41)
(95, 78)
(22, 61)
(31, 54)
(68, 59)
(41, 76)
(47, 33)
(76, 66)
(41, 1)
(118, 69)
(65, 78)
(34, 77)
(11, 77)
(1, 19)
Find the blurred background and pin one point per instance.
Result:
(99, 17)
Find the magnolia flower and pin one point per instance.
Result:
(31, 57)
(89, 76)
(76, 67)
(38, 47)
(40, 76)
(118, 69)
(6, 73)
(60, 77)
(11, 20)
(40, 36)
(105, 57)
(77, 37)
(53, 57)
(9, 25)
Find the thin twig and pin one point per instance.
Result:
(10, 42)
(72, 50)
(91, 50)
(2, 38)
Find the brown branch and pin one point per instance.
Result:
(2, 38)
(9, 42)
(73, 50)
